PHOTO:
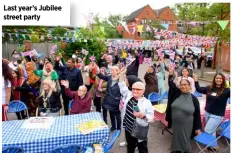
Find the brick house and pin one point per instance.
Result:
(146, 15)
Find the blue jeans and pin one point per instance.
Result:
(212, 122)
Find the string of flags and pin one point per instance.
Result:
(178, 40)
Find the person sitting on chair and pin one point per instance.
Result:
(82, 98)
(49, 100)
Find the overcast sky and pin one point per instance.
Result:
(106, 7)
(79, 8)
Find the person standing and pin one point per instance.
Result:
(112, 98)
(151, 81)
(182, 114)
(73, 75)
(7, 81)
(143, 116)
(217, 95)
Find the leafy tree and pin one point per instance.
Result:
(59, 31)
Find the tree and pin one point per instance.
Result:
(59, 31)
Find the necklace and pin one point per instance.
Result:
(45, 101)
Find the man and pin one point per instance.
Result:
(72, 74)
(82, 98)
(178, 68)
(107, 61)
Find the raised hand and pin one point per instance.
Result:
(65, 83)
(123, 70)
(195, 78)
(171, 70)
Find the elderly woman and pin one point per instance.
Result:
(82, 98)
(216, 101)
(112, 98)
(151, 81)
(130, 80)
(137, 110)
(183, 114)
(49, 100)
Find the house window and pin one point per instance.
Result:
(150, 21)
(143, 21)
(170, 22)
(163, 21)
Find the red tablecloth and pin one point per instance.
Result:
(161, 116)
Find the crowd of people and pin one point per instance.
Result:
(113, 86)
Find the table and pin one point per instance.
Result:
(63, 131)
(161, 116)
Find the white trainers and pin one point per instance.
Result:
(123, 144)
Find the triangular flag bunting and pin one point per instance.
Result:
(223, 23)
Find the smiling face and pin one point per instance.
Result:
(46, 86)
(185, 86)
(82, 90)
(114, 71)
(185, 73)
(109, 59)
(138, 89)
(218, 80)
(14, 74)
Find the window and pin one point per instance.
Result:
(143, 21)
(170, 22)
(163, 21)
(150, 21)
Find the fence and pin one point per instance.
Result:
(44, 48)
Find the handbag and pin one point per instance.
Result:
(140, 132)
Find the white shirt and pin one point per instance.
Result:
(4, 86)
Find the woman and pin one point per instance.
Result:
(49, 100)
(216, 101)
(130, 80)
(112, 99)
(46, 59)
(183, 114)
(48, 73)
(185, 75)
(19, 91)
(160, 76)
(100, 90)
(30, 67)
(15, 56)
(151, 81)
(7, 81)
(142, 116)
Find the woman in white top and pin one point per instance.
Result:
(185, 75)
(7, 80)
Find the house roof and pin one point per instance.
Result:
(134, 14)
(159, 11)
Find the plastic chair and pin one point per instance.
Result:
(12, 150)
(17, 106)
(115, 135)
(154, 97)
(69, 148)
(165, 95)
(71, 104)
(210, 140)
(197, 94)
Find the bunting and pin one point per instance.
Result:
(223, 23)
